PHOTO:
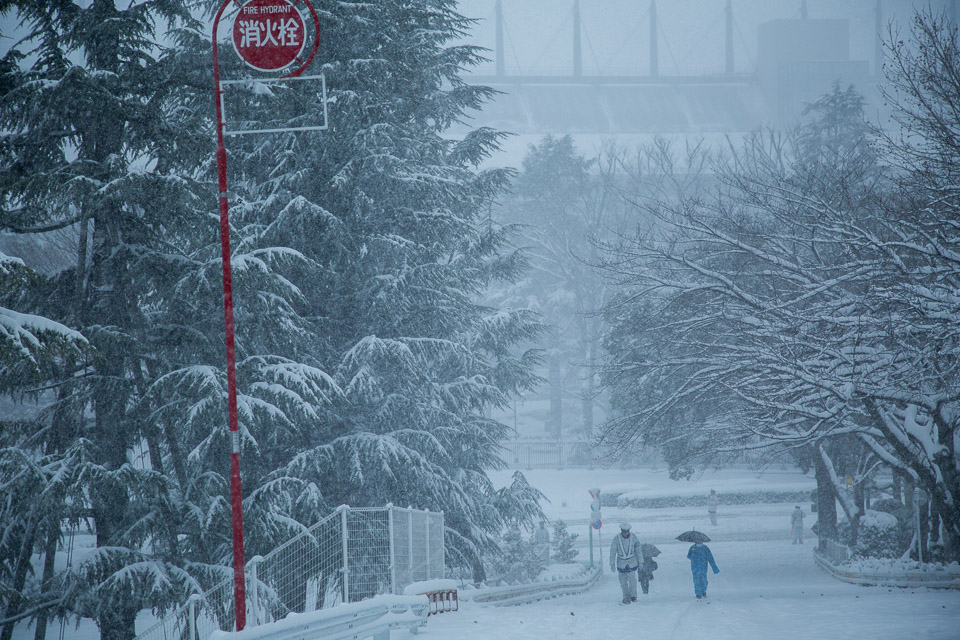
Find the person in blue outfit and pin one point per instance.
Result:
(700, 556)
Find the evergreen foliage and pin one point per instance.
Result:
(519, 561)
(365, 365)
(563, 541)
(562, 203)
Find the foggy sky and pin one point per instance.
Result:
(615, 33)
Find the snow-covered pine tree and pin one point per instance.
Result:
(563, 541)
(384, 217)
(365, 365)
(102, 126)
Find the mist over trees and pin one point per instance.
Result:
(365, 366)
(802, 298)
(561, 205)
(794, 295)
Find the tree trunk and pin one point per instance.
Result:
(116, 618)
(587, 381)
(859, 499)
(49, 555)
(897, 488)
(826, 503)
(924, 510)
(15, 603)
(479, 573)
(936, 541)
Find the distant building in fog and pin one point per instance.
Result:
(798, 60)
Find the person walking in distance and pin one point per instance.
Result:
(796, 525)
(626, 554)
(541, 539)
(712, 502)
(700, 556)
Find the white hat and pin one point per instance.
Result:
(625, 526)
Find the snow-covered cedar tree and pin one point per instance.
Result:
(563, 543)
(33, 349)
(365, 366)
(380, 229)
(103, 126)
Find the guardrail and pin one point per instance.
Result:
(907, 579)
(526, 593)
(373, 618)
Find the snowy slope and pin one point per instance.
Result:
(767, 588)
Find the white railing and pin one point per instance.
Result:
(373, 618)
(349, 556)
(526, 593)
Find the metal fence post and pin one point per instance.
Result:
(443, 546)
(192, 602)
(393, 555)
(426, 531)
(346, 566)
(253, 587)
(410, 541)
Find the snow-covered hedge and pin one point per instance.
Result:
(879, 536)
(893, 572)
(622, 500)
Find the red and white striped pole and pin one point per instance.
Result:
(236, 495)
(273, 53)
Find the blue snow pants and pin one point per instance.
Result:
(699, 582)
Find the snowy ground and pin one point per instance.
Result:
(767, 588)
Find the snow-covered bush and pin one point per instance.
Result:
(905, 520)
(879, 536)
(563, 541)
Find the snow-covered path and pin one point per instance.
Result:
(767, 588)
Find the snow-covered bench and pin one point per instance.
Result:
(373, 618)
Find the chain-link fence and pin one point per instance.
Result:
(350, 555)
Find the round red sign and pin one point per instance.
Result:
(269, 34)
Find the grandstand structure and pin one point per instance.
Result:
(798, 59)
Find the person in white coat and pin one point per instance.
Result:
(796, 525)
(626, 554)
